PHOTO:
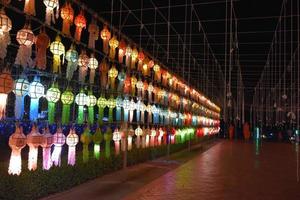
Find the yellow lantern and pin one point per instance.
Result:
(134, 55)
(112, 75)
(133, 84)
(113, 43)
(105, 36)
(57, 49)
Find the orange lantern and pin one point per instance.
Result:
(141, 57)
(134, 55)
(6, 86)
(133, 84)
(80, 23)
(122, 50)
(94, 34)
(42, 43)
(145, 84)
(105, 36)
(67, 14)
(29, 7)
(113, 43)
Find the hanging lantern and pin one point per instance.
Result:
(103, 73)
(72, 58)
(127, 84)
(50, 6)
(6, 86)
(140, 87)
(33, 141)
(25, 38)
(157, 71)
(29, 7)
(81, 101)
(67, 98)
(113, 43)
(105, 36)
(133, 84)
(143, 108)
(112, 75)
(123, 132)
(101, 103)
(126, 107)
(93, 65)
(72, 140)
(147, 133)
(111, 104)
(160, 136)
(36, 91)
(57, 49)
(132, 108)
(42, 43)
(122, 50)
(138, 107)
(149, 110)
(134, 55)
(97, 139)
(107, 137)
(129, 138)
(5, 27)
(155, 111)
(83, 63)
(46, 144)
(67, 14)
(52, 95)
(138, 132)
(141, 57)
(145, 68)
(121, 78)
(93, 34)
(86, 139)
(17, 142)
(59, 140)
(91, 102)
(80, 23)
(128, 55)
(119, 105)
(21, 89)
(116, 138)
(145, 88)
(150, 90)
(152, 137)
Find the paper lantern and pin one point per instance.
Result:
(126, 107)
(5, 27)
(122, 50)
(59, 140)
(80, 23)
(129, 138)
(127, 84)
(67, 14)
(157, 71)
(17, 141)
(147, 133)
(149, 111)
(83, 63)
(86, 139)
(141, 57)
(128, 56)
(50, 6)
(150, 90)
(119, 105)
(53, 96)
(46, 144)
(133, 85)
(36, 91)
(121, 78)
(42, 43)
(81, 101)
(97, 139)
(67, 98)
(113, 43)
(160, 136)
(112, 75)
(103, 73)
(72, 140)
(29, 7)
(145, 85)
(134, 55)
(138, 132)
(6, 86)
(21, 89)
(57, 49)
(142, 108)
(155, 111)
(101, 103)
(72, 58)
(116, 138)
(111, 104)
(152, 137)
(132, 108)
(93, 65)
(105, 36)
(25, 38)
(107, 137)
(146, 68)
(93, 34)
(91, 102)
(138, 107)
(140, 87)
(33, 141)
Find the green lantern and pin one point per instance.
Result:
(101, 103)
(81, 100)
(107, 137)
(53, 96)
(86, 139)
(111, 104)
(97, 139)
(67, 98)
(91, 102)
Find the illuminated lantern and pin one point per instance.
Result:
(143, 108)
(141, 57)
(116, 138)
(147, 133)
(57, 49)
(91, 102)
(128, 56)
(107, 137)
(127, 84)
(145, 68)
(59, 140)
(6, 86)
(17, 142)
(111, 104)
(121, 78)
(132, 108)
(21, 89)
(93, 65)
(155, 111)
(42, 43)
(122, 50)
(80, 23)
(67, 98)
(112, 75)
(105, 36)
(72, 140)
(138, 132)
(101, 103)
(165, 77)
(33, 141)
(134, 55)
(97, 139)
(113, 43)
(83, 63)
(149, 110)
(133, 84)
(129, 138)
(138, 107)
(81, 101)
(123, 133)
(172, 136)
(72, 58)
(152, 137)
(119, 105)
(46, 144)
(150, 90)
(103, 73)
(67, 14)
(140, 87)
(86, 139)
(50, 6)
(126, 107)
(160, 136)
(36, 91)
(5, 27)
(25, 38)
(150, 64)
(93, 34)
(52, 95)
(29, 7)
(157, 71)
(145, 88)
(143, 138)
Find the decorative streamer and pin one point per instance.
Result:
(72, 58)
(122, 50)
(124, 131)
(91, 102)
(93, 65)
(57, 49)
(67, 98)
(46, 144)
(86, 139)
(140, 87)
(103, 73)
(141, 58)
(133, 84)
(134, 55)
(80, 23)
(36, 91)
(138, 132)
(29, 7)
(119, 105)
(107, 137)
(5, 27)
(112, 75)
(59, 140)
(101, 103)
(67, 14)
(81, 101)
(42, 43)
(6, 86)
(121, 78)
(132, 108)
(128, 56)
(129, 138)
(53, 96)
(117, 138)
(111, 104)
(97, 139)
(93, 34)
(17, 142)
(21, 89)
(50, 6)
(83, 62)
(72, 140)
(33, 141)
(105, 36)
(113, 43)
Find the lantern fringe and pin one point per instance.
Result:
(129, 143)
(118, 113)
(97, 151)
(92, 76)
(91, 114)
(55, 157)
(120, 86)
(112, 53)
(133, 61)
(120, 57)
(15, 162)
(77, 35)
(138, 141)
(66, 27)
(126, 112)
(3, 99)
(71, 68)
(143, 141)
(131, 116)
(80, 115)
(127, 62)
(47, 162)
(117, 147)
(110, 115)
(93, 36)
(107, 149)
(32, 158)
(34, 109)
(51, 112)
(123, 144)
(100, 115)
(142, 117)
(82, 73)
(85, 153)
(72, 155)
(65, 114)
(29, 7)
(4, 42)
(24, 56)
(105, 46)
(147, 140)
(56, 64)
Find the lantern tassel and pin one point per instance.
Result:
(51, 112)
(132, 66)
(49, 17)
(138, 142)
(29, 7)
(78, 33)
(3, 98)
(82, 74)
(66, 27)
(34, 109)
(71, 68)
(100, 115)
(110, 115)
(85, 153)
(97, 151)
(138, 115)
(47, 162)
(147, 140)
(72, 155)
(142, 117)
(129, 143)
(80, 116)
(117, 147)
(105, 46)
(123, 144)
(112, 53)
(15, 162)
(92, 76)
(24, 56)
(118, 113)
(32, 158)
(126, 115)
(56, 64)
(56, 155)
(65, 114)
(127, 62)
(91, 114)
(107, 149)
(4, 41)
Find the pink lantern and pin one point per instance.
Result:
(34, 139)
(46, 144)
(59, 140)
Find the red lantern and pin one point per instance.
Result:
(42, 43)
(80, 23)
(67, 14)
